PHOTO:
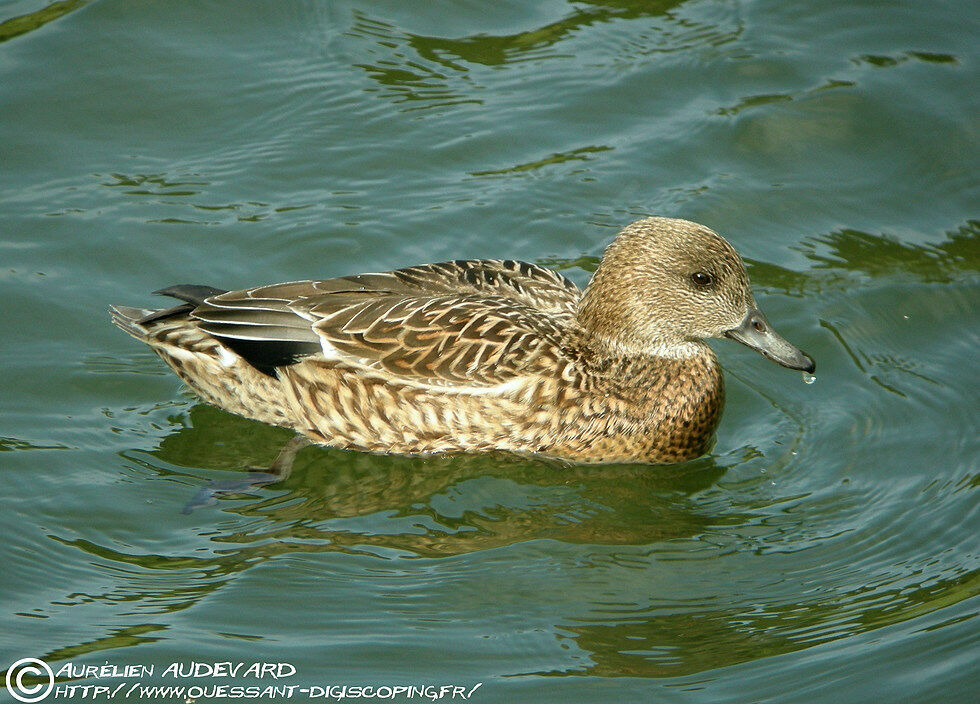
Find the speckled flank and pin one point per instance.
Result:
(476, 355)
(669, 419)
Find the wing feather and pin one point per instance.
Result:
(469, 322)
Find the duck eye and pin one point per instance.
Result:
(701, 279)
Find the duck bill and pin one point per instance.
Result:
(756, 332)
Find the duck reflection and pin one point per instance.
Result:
(431, 506)
(334, 501)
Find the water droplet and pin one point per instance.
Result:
(809, 378)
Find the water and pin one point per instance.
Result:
(825, 550)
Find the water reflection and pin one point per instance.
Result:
(160, 184)
(887, 61)
(385, 506)
(116, 638)
(696, 640)
(838, 255)
(188, 191)
(434, 70)
(445, 505)
(16, 444)
(580, 154)
(756, 101)
(882, 254)
(22, 24)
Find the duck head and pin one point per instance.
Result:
(665, 285)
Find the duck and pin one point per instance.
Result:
(479, 355)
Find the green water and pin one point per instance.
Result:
(825, 551)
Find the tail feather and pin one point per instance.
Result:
(129, 320)
(190, 293)
(134, 320)
(216, 373)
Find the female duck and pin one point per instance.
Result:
(477, 355)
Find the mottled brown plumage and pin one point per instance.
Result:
(478, 355)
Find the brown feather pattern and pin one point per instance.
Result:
(474, 355)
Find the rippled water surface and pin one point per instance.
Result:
(826, 549)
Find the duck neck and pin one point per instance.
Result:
(613, 315)
(614, 327)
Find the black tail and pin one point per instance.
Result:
(193, 294)
(264, 355)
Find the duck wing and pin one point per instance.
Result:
(533, 285)
(462, 323)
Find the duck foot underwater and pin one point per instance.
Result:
(278, 471)
(476, 355)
